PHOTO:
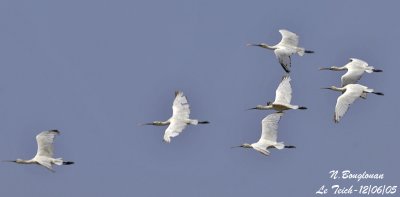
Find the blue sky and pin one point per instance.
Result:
(96, 69)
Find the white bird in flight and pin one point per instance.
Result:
(285, 48)
(180, 118)
(44, 155)
(350, 93)
(269, 135)
(283, 96)
(355, 69)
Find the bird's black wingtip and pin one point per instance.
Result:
(55, 131)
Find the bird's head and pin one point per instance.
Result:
(262, 45)
(155, 123)
(331, 68)
(257, 107)
(325, 68)
(245, 145)
(331, 88)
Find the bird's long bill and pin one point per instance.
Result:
(328, 88)
(236, 146)
(150, 123)
(251, 108)
(258, 45)
(324, 68)
(9, 161)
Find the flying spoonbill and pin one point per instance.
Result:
(283, 96)
(180, 118)
(350, 93)
(355, 69)
(285, 48)
(44, 155)
(269, 135)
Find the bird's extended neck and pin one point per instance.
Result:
(161, 123)
(26, 162)
(263, 45)
(158, 123)
(334, 88)
(245, 145)
(334, 68)
(21, 161)
(262, 107)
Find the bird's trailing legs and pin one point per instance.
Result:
(378, 93)
(68, 162)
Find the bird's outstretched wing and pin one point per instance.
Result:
(358, 62)
(174, 129)
(270, 127)
(355, 70)
(352, 76)
(283, 94)
(45, 141)
(180, 107)
(345, 100)
(283, 56)
(288, 38)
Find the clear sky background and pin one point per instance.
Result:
(96, 69)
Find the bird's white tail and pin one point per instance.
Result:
(298, 107)
(369, 90)
(58, 161)
(193, 122)
(301, 51)
(370, 69)
(279, 145)
(364, 95)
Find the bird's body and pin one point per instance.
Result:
(269, 135)
(44, 155)
(350, 93)
(180, 118)
(355, 69)
(283, 97)
(285, 48)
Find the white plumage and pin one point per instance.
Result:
(283, 97)
(45, 151)
(350, 93)
(269, 135)
(285, 48)
(180, 118)
(355, 69)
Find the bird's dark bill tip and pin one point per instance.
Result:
(9, 161)
(236, 146)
